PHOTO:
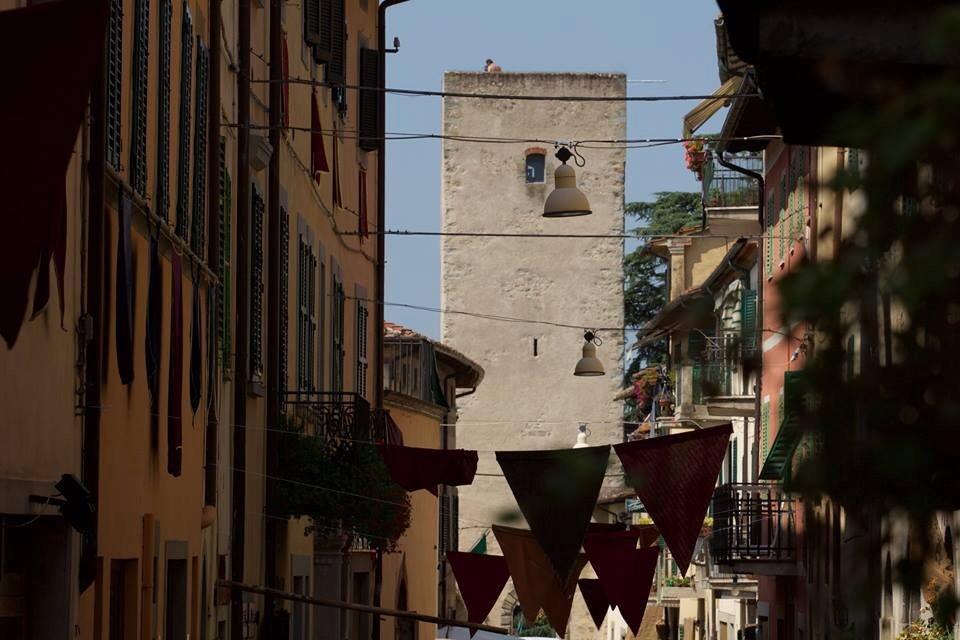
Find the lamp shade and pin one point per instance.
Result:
(566, 200)
(589, 364)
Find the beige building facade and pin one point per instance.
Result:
(531, 399)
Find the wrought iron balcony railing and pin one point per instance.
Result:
(723, 187)
(753, 525)
(338, 418)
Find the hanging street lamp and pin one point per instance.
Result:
(566, 200)
(589, 364)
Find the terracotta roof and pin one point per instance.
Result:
(397, 332)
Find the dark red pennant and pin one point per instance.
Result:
(607, 552)
(674, 476)
(481, 579)
(415, 468)
(534, 579)
(596, 600)
(643, 566)
(557, 492)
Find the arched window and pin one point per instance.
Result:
(535, 165)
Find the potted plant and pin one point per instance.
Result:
(695, 156)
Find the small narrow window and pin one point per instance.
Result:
(536, 351)
(536, 162)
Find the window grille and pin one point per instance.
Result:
(138, 143)
(256, 287)
(114, 84)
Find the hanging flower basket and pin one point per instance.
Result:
(695, 156)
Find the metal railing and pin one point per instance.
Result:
(752, 523)
(337, 417)
(723, 187)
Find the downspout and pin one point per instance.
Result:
(381, 252)
(271, 526)
(759, 384)
(238, 482)
(90, 453)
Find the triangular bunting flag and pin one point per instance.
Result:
(481, 579)
(534, 579)
(415, 468)
(643, 567)
(674, 476)
(596, 600)
(625, 573)
(557, 492)
(648, 536)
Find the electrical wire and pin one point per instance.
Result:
(571, 236)
(502, 96)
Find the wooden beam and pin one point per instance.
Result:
(339, 604)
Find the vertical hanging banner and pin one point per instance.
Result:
(625, 573)
(481, 578)
(596, 599)
(557, 492)
(196, 366)
(153, 336)
(674, 476)
(124, 292)
(175, 392)
(318, 152)
(535, 580)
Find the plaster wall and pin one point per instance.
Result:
(530, 399)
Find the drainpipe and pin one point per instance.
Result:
(759, 384)
(381, 252)
(93, 325)
(238, 483)
(271, 526)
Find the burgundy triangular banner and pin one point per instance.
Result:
(415, 468)
(535, 580)
(481, 579)
(596, 599)
(643, 566)
(674, 476)
(557, 493)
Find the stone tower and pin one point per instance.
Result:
(530, 398)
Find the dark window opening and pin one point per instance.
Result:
(536, 164)
(536, 351)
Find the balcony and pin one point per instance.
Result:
(725, 190)
(338, 419)
(754, 530)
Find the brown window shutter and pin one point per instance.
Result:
(311, 21)
(369, 103)
(337, 64)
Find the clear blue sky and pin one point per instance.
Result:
(672, 41)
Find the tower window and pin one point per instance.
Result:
(536, 161)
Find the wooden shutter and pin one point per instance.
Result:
(162, 201)
(748, 320)
(369, 104)
(199, 219)
(256, 288)
(138, 144)
(224, 303)
(311, 21)
(114, 71)
(337, 64)
(284, 295)
(183, 165)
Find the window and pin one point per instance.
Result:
(311, 21)
(138, 137)
(363, 315)
(123, 599)
(536, 163)
(114, 70)
(306, 309)
(256, 287)
(284, 296)
(183, 163)
(199, 221)
(224, 308)
(300, 622)
(175, 607)
(337, 303)
(369, 103)
(333, 39)
(162, 201)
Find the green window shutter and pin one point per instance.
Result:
(369, 104)
(764, 429)
(114, 84)
(162, 201)
(138, 131)
(333, 39)
(186, 92)
(284, 295)
(748, 319)
(224, 309)
(256, 287)
(801, 207)
(734, 461)
(199, 219)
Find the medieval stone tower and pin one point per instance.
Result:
(530, 398)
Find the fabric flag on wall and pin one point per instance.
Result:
(481, 578)
(196, 363)
(557, 492)
(674, 476)
(124, 293)
(415, 468)
(535, 580)
(175, 392)
(41, 119)
(596, 599)
(362, 206)
(318, 152)
(153, 338)
(625, 572)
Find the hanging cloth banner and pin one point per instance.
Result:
(625, 572)
(318, 152)
(124, 293)
(415, 468)
(596, 599)
(196, 348)
(674, 477)
(153, 334)
(557, 492)
(41, 112)
(481, 578)
(175, 392)
(535, 580)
